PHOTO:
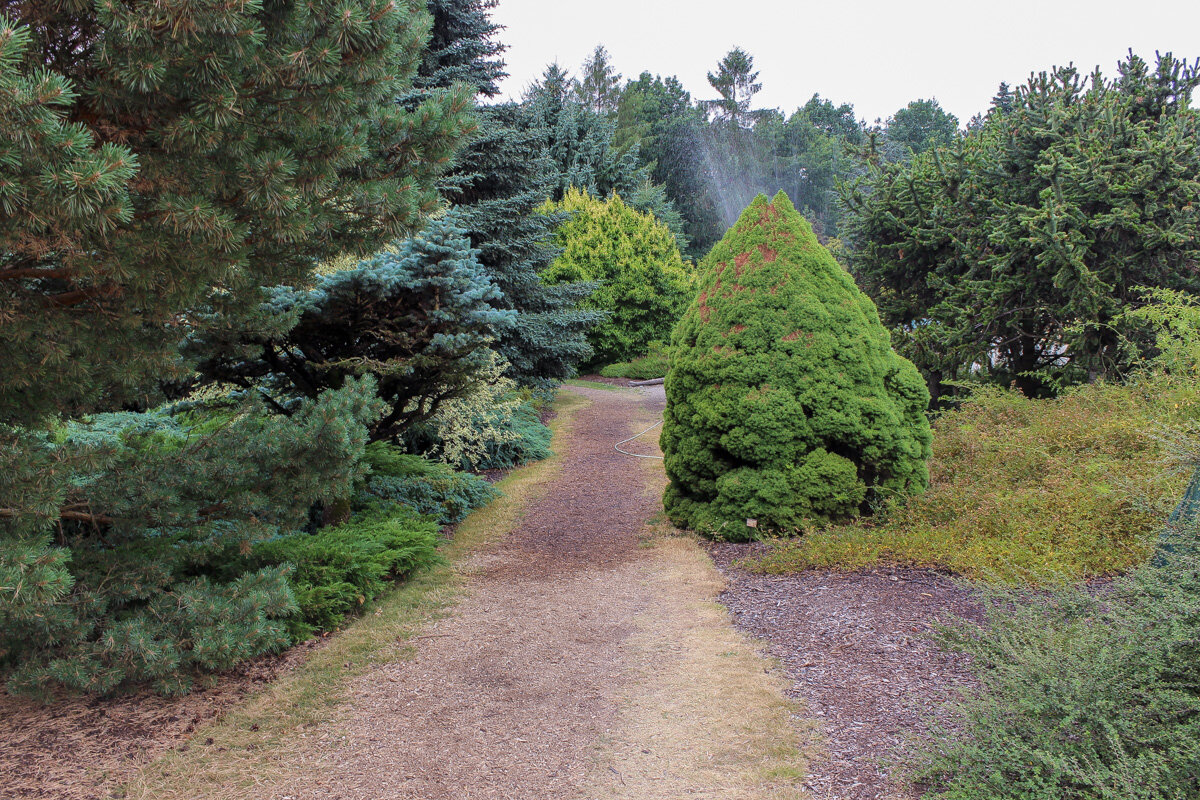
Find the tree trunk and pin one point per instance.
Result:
(335, 512)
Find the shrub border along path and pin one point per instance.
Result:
(584, 652)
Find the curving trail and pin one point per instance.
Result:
(577, 638)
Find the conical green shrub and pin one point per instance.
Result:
(786, 405)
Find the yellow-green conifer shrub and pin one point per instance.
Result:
(643, 282)
(785, 402)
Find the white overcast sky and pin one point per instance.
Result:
(876, 55)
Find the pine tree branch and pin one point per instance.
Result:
(67, 299)
(35, 272)
(78, 516)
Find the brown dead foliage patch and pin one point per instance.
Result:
(736, 329)
(769, 214)
(769, 254)
(791, 337)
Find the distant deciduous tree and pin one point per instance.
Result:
(920, 125)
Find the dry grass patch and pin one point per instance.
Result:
(704, 715)
(267, 738)
(1024, 490)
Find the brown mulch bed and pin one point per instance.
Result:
(79, 747)
(857, 648)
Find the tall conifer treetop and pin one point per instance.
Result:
(462, 47)
(155, 156)
(785, 402)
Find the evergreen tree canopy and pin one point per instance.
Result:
(501, 179)
(1011, 253)
(734, 80)
(419, 320)
(582, 145)
(643, 280)
(495, 185)
(785, 402)
(462, 48)
(157, 156)
(600, 87)
(150, 511)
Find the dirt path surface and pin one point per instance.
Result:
(539, 685)
(856, 649)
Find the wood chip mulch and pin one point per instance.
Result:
(857, 648)
(79, 747)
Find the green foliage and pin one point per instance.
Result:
(582, 145)
(337, 570)
(1025, 490)
(734, 80)
(418, 320)
(652, 365)
(599, 89)
(155, 159)
(1009, 255)
(803, 155)
(1084, 694)
(659, 116)
(785, 402)
(526, 439)
(427, 487)
(462, 48)
(493, 427)
(644, 281)
(920, 125)
(498, 182)
(495, 185)
(1172, 320)
(148, 510)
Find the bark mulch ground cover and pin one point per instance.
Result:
(857, 649)
(78, 747)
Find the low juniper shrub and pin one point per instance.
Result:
(644, 368)
(1084, 693)
(425, 486)
(531, 441)
(337, 570)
